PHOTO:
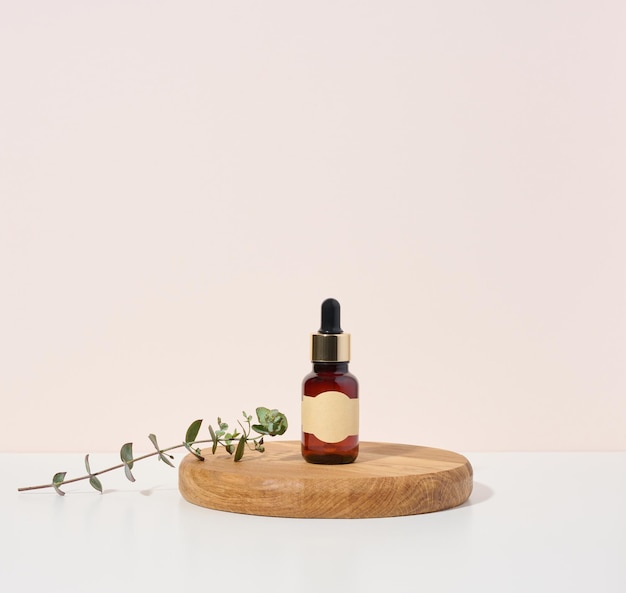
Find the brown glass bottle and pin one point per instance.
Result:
(330, 376)
(330, 395)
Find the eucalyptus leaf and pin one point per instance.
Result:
(126, 454)
(162, 457)
(57, 480)
(153, 440)
(196, 452)
(213, 438)
(87, 464)
(166, 459)
(275, 423)
(240, 448)
(261, 414)
(192, 431)
(95, 483)
(128, 473)
(260, 429)
(271, 422)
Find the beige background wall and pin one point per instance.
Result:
(182, 183)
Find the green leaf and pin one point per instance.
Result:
(261, 414)
(192, 431)
(93, 480)
(214, 439)
(271, 422)
(162, 457)
(128, 473)
(166, 459)
(277, 424)
(240, 448)
(280, 423)
(95, 483)
(196, 452)
(126, 454)
(57, 480)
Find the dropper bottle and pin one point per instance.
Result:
(330, 395)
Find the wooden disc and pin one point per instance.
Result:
(386, 480)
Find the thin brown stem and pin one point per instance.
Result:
(109, 469)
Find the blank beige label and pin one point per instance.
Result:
(330, 416)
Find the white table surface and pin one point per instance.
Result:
(535, 522)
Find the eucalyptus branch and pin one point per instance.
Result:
(271, 422)
(108, 469)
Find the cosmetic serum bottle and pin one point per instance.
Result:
(330, 395)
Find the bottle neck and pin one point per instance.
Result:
(335, 368)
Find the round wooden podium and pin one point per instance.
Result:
(386, 480)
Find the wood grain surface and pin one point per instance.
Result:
(386, 480)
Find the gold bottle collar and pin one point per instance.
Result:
(330, 347)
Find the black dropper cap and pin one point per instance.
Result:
(331, 317)
(330, 344)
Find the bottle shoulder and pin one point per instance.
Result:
(331, 375)
(315, 383)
